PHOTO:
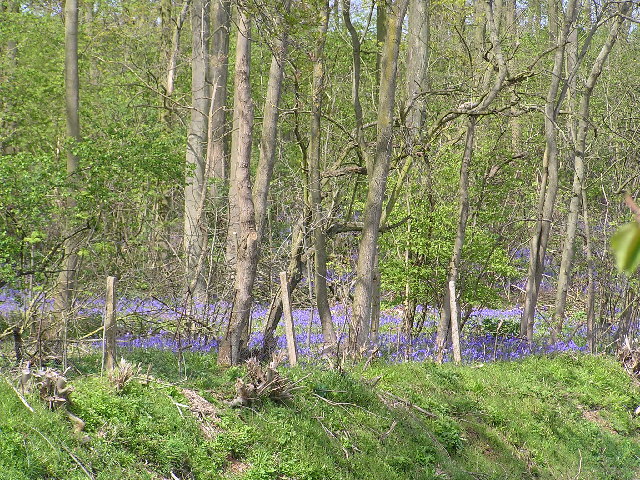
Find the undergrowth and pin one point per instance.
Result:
(539, 418)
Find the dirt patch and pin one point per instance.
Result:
(236, 466)
(594, 417)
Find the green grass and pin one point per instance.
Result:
(540, 418)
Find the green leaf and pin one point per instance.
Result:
(626, 246)
(35, 237)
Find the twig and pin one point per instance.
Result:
(579, 465)
(372, 355)
(388, 432)
(22, 399)
(633, 206)
(333, 435)
(372, 382)
(74, 458)
(334, 404)
(410, 405)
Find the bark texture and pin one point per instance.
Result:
(456, 256)
(195, 226)
(218, 170)
(270, 126)
(232, 346)
(66, 284)
(579, 169)
(367, 250)
(548, 187)
(315, 184)
(171, 55)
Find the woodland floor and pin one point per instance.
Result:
(565, 416)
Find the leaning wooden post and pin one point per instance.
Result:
(109, 338)
(288, 321)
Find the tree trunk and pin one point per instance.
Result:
(67, 278)
(548, 187)
(232, 348)
(591, 286)
(172, 59)
(455, 324)
(375, 303)
(381, 35)
(360, 322)
(270, 126)
(511, 26)
(266, 164)
(418, 37)
(93, 64)
(552, 11)
(355, 90)
(564, 275)
(444, 326)
(456, 256)
(195, 225)
(463, 189)
(218, 72)
(315, 185)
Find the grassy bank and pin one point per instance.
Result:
(547, 418)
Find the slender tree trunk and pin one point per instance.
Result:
(270, 127)
(195, 223)
(166, 16)
(552, 11)
(409, 302)
(548, 187)
(444, 326)
(218, 73)
(409, 314)
(511, 25)
(511, 30)
(463, 189)
(455, 324)
(564, 275)
(232, 348)
(67, 277)
(375, 303)
(294, 270)
(315, 185)
(267, 158)
(355, 90)
(591, 286)
(360, 322)
(93, 64)
(172, 58)
(381, 35)
(217, 144)
(454, 265)
(418, 52)
(364, 153)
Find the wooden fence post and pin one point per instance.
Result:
(109, 338)
(288, 321)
